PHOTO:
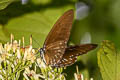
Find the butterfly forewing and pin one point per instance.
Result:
(57, 39)
(61, 29)
(72, 52)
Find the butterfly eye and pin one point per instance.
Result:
(41, 51)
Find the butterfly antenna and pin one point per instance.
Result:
(38, 49)
(35, 42)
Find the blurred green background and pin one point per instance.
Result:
(37, 17)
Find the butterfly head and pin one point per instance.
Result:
(42, 51)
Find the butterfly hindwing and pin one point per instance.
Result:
(72, 52)
(54, 53)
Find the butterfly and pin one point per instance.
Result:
(55, 51)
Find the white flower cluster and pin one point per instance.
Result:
(19, 62)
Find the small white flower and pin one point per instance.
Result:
(31, 73)
(18, 54)
(15, 45)
(15, 63)
(1, 48)
(8, 46)
(25, 55)
(82, 77)
(3, 55)
(41, 64)
(25, 76)
(4, 71)
(1, 77)
(78, 76)
(12, 66)
(75, 75)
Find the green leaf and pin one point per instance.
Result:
(37, 24)
(114, 12)
(5, 3)
(2, 35)
(109, 61)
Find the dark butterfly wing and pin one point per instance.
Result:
(57, 39)
(71, 53)
(54, 53)
(61, 29)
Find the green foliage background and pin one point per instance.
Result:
(38, 16)
(109, 61)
